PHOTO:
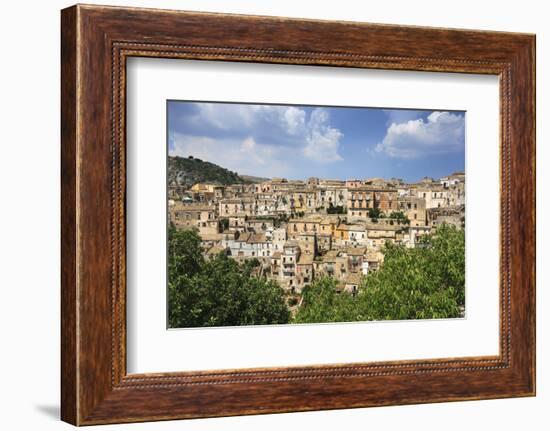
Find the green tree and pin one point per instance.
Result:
(224, 224)
(375, 213)
(218, 292)
(184, 253)
(339, 209)
(322, 303)
(400, 217)
(426, 282)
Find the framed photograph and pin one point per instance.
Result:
(264, 214)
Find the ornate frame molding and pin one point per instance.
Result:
(96, 41)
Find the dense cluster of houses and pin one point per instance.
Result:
(300, 230)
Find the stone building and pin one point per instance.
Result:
(414, 209)
(202, 217)
(360, 200)
(303, 230)
(451, 215)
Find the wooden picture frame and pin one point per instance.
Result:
(95, 43)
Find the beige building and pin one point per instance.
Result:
(265, 221)
(304, 271)
(354, 184)
(328, 225)
(380, 233)
(289, 260)
(244, 205)
(435, 196)
(305, 225)
(414, 208)
(331, 196)
(304, 200)
(455, 216)
(202, 217)
(360, 200)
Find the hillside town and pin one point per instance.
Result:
(302, 230)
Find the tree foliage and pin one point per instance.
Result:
(426, 282)
(224, 224)
(375, 214)
(217, 292)
(400, 217)
(191, 170)
(419, 283)
(322, 303)
(339, 209)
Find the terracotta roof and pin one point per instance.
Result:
(256, 238)
(305, 259)
(243, 237)
(211, 236)
(383, 226)
(330, 256)
(329, 219)
(291, 243)
(192, 208)
(356, 251)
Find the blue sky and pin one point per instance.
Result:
(297, 142)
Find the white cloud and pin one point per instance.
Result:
(441, 133)
(243, 156)
(322, 139)
(401, 115)
(267, 127)
(258, 154)
(295, 119)
(259, 140)
(286, 120)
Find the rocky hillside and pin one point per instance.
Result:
(188, 171)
